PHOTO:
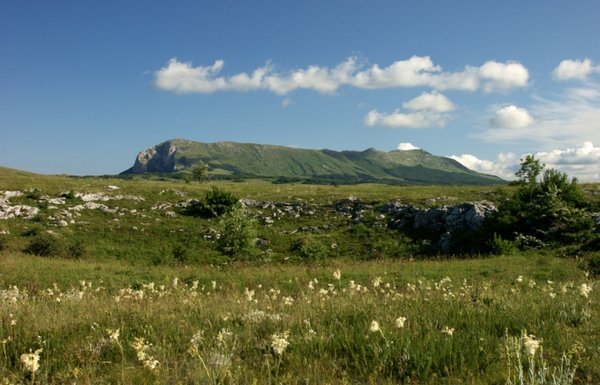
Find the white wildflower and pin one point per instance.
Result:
(585, 289)
(113, 335)
(531, 344)
(447, 331)
(374, 328)
(376, 281)
(31, 361)
(337, 274)
(400, 321)
(279, 342)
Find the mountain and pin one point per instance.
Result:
(246, 160)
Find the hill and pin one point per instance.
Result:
(247, 160)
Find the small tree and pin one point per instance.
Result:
(530, 170)
(237, 232)
(200, 172)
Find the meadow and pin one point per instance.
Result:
(136, 292)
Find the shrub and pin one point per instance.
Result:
(593, 265)
(215, 203)
(550, 211)
(34, 194)
(44, 245)
(3, 242)
(76, 249)
(309, 248)
(237, 232)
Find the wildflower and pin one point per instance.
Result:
(376, 281)
(141, 348)
(213, 284)
(447, 331)
(520, 278)
(197, 338)
(337, 274)
(531, 344)
(31, 361)
(249, 295)
(113, 335)
(374, 328)
(585, 289)
(288, 301)
(279, 342)
(400, 322)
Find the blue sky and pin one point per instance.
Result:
(85, 85)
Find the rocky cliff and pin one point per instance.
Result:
(160, 158)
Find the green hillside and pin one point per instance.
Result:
(246, 160)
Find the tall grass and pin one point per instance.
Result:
(294, 324)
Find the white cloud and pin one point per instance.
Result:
(427, 110)
(511, 117)
(566, 120)
(286, 102)
(504, 166)
(407, 147)
(503, 76)
(574, 69)
(582, 162)
(417, 71)
(398, 119)
(433, 101)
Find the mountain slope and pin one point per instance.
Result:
(269, 161)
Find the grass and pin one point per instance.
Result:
(187, 314)
(328, 320)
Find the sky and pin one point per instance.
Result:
(85, 85)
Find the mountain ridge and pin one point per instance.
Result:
(250, 160)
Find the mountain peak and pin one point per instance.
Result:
(249, 160)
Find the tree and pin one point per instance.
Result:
(530, 170)
(200, 172)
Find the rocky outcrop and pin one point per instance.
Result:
(9, 211)
(160, 158)
(445, 220)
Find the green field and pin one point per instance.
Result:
(323, 299)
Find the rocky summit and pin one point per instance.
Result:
(230, 160)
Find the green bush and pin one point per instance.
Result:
(593, 265)
(237, 232)
(3, 242)
(550, 211)
(76, 249)
(309, 248)
(44, 245)
(499, 246)
(215, 203)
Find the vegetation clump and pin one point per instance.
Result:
(546, 211)
(215, 203)
(236, 233)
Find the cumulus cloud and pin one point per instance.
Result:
(407, 147)
(582, 162)
(511, 117)
(286, 102)
(433, 101)
(565, 120)
(574, 69)
(503, 76)
(426, 110)
(505, 165)
(416, 71)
